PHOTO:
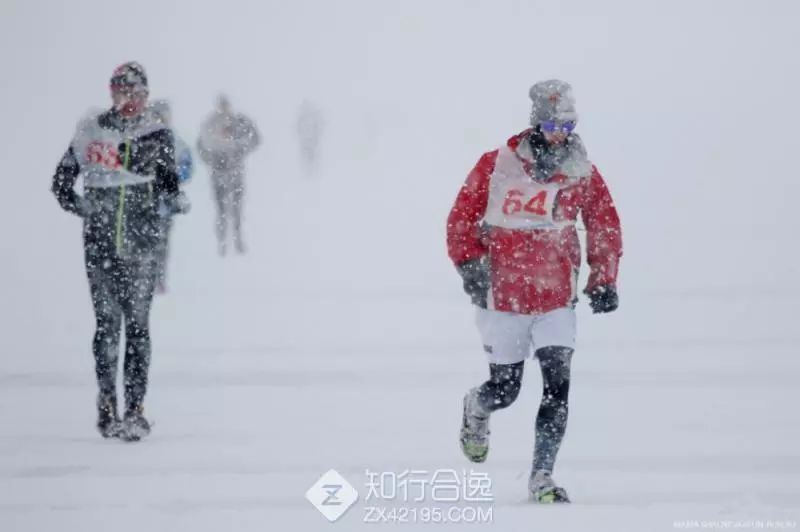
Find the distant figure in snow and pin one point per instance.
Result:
(126, 159)
(184, 166)
(226, 138)
(309, 133)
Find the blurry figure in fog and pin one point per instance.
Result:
(184, 165)
(309, 132)
(226, 138)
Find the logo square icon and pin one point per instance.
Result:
(332, 495)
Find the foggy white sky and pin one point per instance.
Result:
(687, 109)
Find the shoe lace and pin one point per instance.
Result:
(477, 422)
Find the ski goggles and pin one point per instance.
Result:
(554, 126)
(129, 91)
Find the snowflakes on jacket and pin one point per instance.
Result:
(518, 209)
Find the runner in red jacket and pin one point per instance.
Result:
(512, 237)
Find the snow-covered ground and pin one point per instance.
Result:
(342, 339)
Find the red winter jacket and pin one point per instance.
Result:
(526, 227)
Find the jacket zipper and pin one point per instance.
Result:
(120, 238)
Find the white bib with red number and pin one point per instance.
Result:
(516, 200)
(98, 152)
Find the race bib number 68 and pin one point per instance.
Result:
(104, 154)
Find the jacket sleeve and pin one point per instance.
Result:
(154, 154)
(255, 136)
(249, 138)
(166, 168)
(64, 183)
(463, 223)
(205, 156)
(604, 233)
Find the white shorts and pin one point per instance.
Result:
(509, 338)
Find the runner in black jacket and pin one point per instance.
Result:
(127, 161)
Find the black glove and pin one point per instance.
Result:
(83, 207)
(603, 299)
(475, 274)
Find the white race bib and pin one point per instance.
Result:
(516, 201)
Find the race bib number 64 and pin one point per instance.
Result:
(537, 204)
